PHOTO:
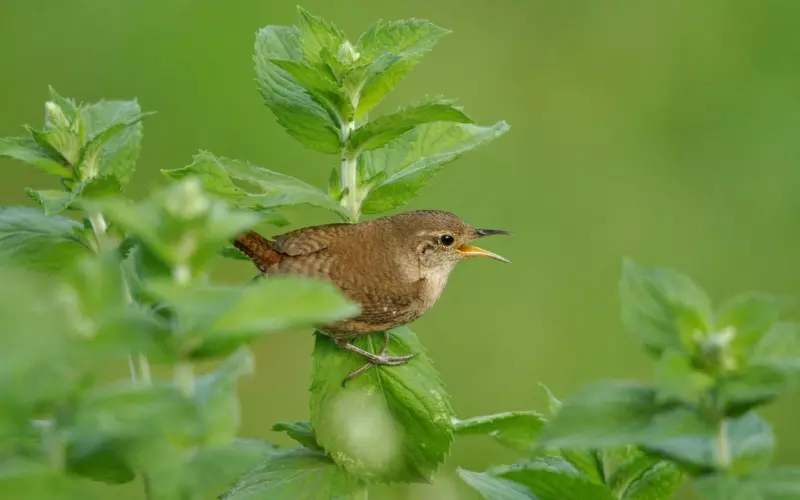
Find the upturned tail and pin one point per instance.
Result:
(258, 249)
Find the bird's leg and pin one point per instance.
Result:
(374, 359)
(385, 343)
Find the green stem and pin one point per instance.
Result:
(349, 167)
(350, 177)
(184, 378)
(722, 448)
(183, 372)
(100, 228)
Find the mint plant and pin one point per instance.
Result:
(634, 441)
(92, 278)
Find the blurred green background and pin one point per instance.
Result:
(667, 131)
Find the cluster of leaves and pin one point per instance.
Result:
(129, 279)
(633, 441)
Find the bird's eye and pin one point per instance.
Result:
(447, 240)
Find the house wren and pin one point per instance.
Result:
(394, 267)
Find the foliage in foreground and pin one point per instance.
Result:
(633, 441)
(91, 279)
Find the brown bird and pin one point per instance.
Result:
(394, 267)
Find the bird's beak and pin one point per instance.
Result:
(473, 251)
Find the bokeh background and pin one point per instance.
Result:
(666, 131)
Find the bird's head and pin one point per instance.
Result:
(440, 239)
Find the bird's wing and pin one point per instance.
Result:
(308, 240)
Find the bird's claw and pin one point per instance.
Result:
(376, 359)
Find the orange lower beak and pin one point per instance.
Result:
(473, 251)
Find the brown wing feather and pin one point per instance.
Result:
(310, 239)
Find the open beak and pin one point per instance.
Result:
(473, 251)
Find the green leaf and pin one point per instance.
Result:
(749, 387)
(401, 44)
(114, 138)
(391, 423)
(553, 478)
(40, 366)
(376, 133)
(678, 380)
(264, 188)
(216, 399)
(317, 35)
(179, 224)
(655, 483)
(54, 202)
(518, 430)
(779, 348)
(117, 428)
(494, 488)
(297, 111)
(612, 414)
(413, 159)
(31, 239)
(204, 472)
(779, 483)
(295, 474)
(662, 309)
(68, 106)
(752, 315)
(320, 86)
(27, 150)
(217, 319)
(99, 460)
(553, 403)
(233, 253)
(772, 365)
(301, 432)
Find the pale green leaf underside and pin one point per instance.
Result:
(388, 424)
(410, 161)
(301, 432)
(293, 475)
(32, 239)
(265, 188)
(517, 429)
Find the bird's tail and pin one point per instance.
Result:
(259, 249)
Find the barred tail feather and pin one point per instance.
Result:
(258, 249)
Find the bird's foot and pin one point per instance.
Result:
(374, 359)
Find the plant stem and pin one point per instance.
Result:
(349, 165)
(722, 449)
(183, 373)
(349, 175)
(184, 378)
(100, 227)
